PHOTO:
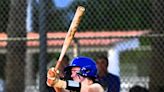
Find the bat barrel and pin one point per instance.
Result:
(70, 34)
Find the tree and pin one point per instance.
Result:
(16, 48)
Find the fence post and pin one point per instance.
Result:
(43, 46)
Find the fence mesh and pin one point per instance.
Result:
(128, 32)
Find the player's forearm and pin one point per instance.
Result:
(64, 86)
(60, 84)
(54, 81)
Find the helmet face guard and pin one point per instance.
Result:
(87, 66)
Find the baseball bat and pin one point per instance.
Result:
(70, 34)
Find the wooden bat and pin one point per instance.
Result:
(70, 34)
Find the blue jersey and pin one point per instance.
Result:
(110, 82)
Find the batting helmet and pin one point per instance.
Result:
(87, 66)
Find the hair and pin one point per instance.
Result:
(138, 88)
(66, 57)
(91, 78)
(103, 57)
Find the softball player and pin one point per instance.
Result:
(83, 73)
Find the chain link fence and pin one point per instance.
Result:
(129, 32)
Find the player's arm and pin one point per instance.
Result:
(54, 81)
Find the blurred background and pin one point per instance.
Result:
(32, 33)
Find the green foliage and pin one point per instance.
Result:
(135, 62)
(99, 15)
(109, 14)
(145, 41)
(117, 14)
(4, 9)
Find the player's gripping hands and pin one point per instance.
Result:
(53, 79)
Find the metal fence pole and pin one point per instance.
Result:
(43, 46)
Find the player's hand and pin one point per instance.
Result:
(53, 79)
(52, 76)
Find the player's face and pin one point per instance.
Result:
(101, 66)
(75, 76)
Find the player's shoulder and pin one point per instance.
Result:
(96, 87)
